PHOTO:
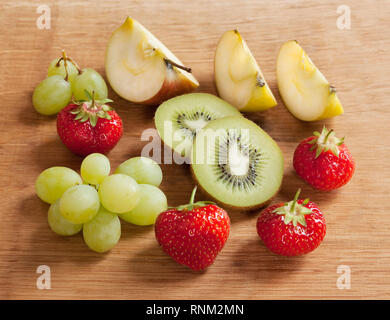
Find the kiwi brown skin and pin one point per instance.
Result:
(229, 206)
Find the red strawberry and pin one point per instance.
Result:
(193, 234)
(89, 126)
(324, 161)
(292, 228)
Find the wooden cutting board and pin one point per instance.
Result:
(355, 60)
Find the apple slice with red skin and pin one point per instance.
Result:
(142, 69)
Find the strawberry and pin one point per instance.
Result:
(193, 234)
(87, 127)
(292, 228)
(324, 161)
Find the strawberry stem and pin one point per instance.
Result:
(93, 99)
(295, 200)
(91, 108)
(294, 212)
(327, 136)
(193, 195)
(191, 205)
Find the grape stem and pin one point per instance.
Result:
(65, 58)
(58, 62)
(75, 64)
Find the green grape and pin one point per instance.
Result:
(142, 169)
(119, 193)
(152, 202)
(79, 204)
(95, 168)
(89, 80)
(54, 181)
(59, 224)
(52, 95)
(102, 233)
(60, 69)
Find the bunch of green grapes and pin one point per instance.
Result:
(93, 201)
(152, 200)
(65, 80)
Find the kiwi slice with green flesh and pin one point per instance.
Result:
(237, 163)
(179, 119)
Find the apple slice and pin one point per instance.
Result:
(141, 69)
(238, 77)
(304, 89)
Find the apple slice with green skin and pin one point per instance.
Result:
(304, 89)
(238, 77)
(141, 69)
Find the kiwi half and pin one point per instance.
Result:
(237, 163)
(179, 119)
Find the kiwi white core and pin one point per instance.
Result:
(238, 161)
(196, 125)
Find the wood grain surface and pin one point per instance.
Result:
(356, 61)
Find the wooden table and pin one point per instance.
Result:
(356, 61)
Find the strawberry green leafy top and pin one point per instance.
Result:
(294, 211)
(325, 141)
(91, 109)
